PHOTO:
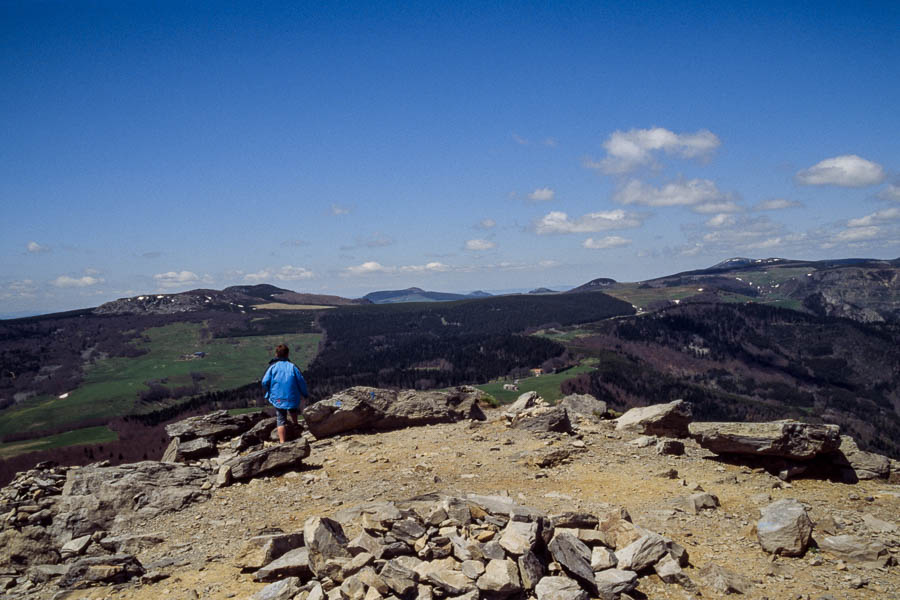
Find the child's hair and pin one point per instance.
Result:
(282, 351)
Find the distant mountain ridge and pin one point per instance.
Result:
(415, 294)
(862, 289)
(234, 298)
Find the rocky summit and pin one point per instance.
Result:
(529, 501)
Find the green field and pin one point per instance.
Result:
(87, 435)
(111, 386)
(545, 385)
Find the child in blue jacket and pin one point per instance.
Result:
(285, 389)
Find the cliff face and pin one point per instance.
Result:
(861, 294)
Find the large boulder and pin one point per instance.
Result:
(670, 420)
(96, 498)
(216, 425)
(855, 464)
(583, 405)
(523, 402)
(786, 439)
(267, 460)
(543, 419)
(179, 451)
(784, 528)
(369, 408)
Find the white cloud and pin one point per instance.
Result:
(179, 278)
(543, 194)
(721, 220)
(610, 241)
(35, 248)
(848, 170)
(64, 281)
(891, 192)
(24, 288)
(857, 234)
(777, 204)
(90, 271)
(291, 273)
(520, 140)
(477, 245)
(881, 216)
(559, 222)
(337, 209)
(702, 195)
(551, 142)
(486, 224)
(628, 150)
(371, 267)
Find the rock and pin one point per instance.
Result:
(670, 420)
(725, 581)
(668, 569)
(613, 582)
(97, 498)
(75, 546)
(293, 563)
(543, 419)
(603, 558)
(216, 425)
(179, 451)
(400, 579)
(500, 578)
(574, 520)
(851, 548)
(518, 538)
(877, 525)
(407, 530)
(285, 589)
(325, 540)
(574, 557)
(473, 569)
(366, 543)
(669, 448)
(854, 464)
(559, 588)
(353, 589)
(260, 550)
(617, 528)
(531, 569)
(583, 405)
(130, 544)
(223, 476)
(784, 528)
(694, 503)
(28, 545)
(450, 580)
(787, 439)
(267, 460)
(94, 570)
(379, 409)
(502, 506)
(369, 577)
(642, 553)
(523, 402)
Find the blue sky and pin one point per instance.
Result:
(343, 148)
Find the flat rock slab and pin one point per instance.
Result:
(559, 588)
(786, 439)
(574, 556)
(611, 583)
(856, 464)
(543, 420)
(366, 408)
(294, 563)
(273, 458)
(725, 581)
(851, 548)
(216, 425)
(101, 570)
(670, 419)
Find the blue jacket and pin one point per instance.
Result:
(284, 384)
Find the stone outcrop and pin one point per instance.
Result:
(855, 549)
(855, 464)
(217, 425)
(365, 408)
(542, 419)
(787, 439)
(583, 405)
(668, 420)
(96, 497)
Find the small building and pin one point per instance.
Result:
(510, 387)
(200, 354)
(537, 372)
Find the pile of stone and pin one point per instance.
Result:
(532, 413)
(469, 548)
(30, 497)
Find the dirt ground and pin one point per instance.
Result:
(489, 458)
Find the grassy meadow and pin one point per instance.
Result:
(111, 386)
(545, 385)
